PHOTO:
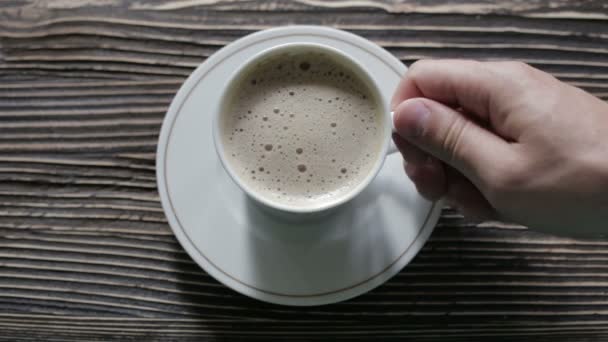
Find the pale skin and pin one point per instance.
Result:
(504, 141)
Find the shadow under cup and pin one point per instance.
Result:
(243, 74)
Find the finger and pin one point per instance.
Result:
(451, 137)
(425, 171)
(472, 85)
(462, 194)
(406, 89)
(428, 177)
(410, 152)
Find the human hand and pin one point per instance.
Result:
(502, 140)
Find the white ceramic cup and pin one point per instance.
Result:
(284, 209)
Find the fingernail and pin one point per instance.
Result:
(411, 117)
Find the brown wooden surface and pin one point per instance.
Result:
(86, 252)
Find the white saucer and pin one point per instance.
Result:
(344, 255)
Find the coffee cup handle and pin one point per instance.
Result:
(391, 145)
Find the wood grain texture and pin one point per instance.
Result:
(85, 250)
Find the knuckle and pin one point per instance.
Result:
(529, 73)
(520, 67)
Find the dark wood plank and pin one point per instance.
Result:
(85, 249)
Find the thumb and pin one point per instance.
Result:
(451, 137)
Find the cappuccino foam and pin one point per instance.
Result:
(302, 129)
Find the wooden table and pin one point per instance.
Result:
(86, 252)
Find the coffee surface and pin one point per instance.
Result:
(301, 129)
